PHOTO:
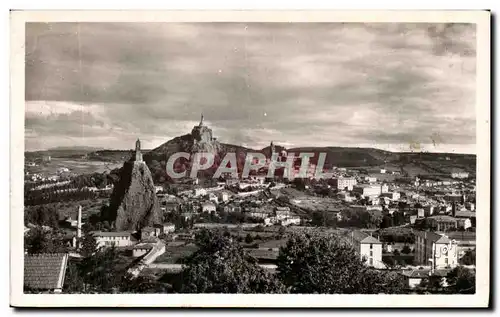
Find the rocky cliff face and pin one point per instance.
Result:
(133, 204)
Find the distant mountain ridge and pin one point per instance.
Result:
(201, 140)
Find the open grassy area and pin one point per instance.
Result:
(70, 208)
(175, 253)
(76, 166)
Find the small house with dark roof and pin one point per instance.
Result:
(414, 277)
(45, 272)
(369, 248)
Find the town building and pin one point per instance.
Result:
(159, 229)
(420, 212)
(148, 233)
(370, 179)
(282, 212)
(367, 190)
(208, 206)
(391, 195)
(343, 183)
(45, 272)
(436, 250)
(345, 197)
(213, 198)
(369, 248)
(141, 249)
(466, 241)
(257, 212)
(453, 198)
(291, 221)
(442, 223)
(429, 210)
(384, 188)
(459, 175)
(108, 239)
(224, 196)
(414, 277)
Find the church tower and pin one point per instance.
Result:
(138, 154)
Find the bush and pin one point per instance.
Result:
(302, 263)
(249, 238)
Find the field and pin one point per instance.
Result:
(311, 203)
(175, 252)
(70, 209)
(75, 166)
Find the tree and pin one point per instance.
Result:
(249, 238)
(396, 252)
(142, 285)
(469, 258)
(39, 240)
(433, 284)
(102, 272)
(73, 282)
(461, 280)
(88, 244)
(323, 218)
(386, 221)
(325, 264)
(220, 265)
(406, 250)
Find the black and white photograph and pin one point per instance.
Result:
(197, 155)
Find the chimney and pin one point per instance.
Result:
(79, 223)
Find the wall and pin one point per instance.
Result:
(118, 241)
(364, 251)
(441, 258)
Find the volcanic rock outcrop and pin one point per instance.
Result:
(133, 203)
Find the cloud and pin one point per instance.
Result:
(319, 84)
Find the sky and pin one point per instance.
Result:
(394, 86)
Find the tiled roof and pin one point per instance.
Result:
(435, 237)
(364, 237)
(424, 273)
(45, 271)
(462, 235)
(146, 245)
(111, 233)
(465, 214)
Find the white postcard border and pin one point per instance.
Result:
(17, 82)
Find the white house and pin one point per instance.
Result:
(213, 198)
(141, 248)
(436, 250)
(107, 239)
(224, 196)
(369, 248)
(208, 206)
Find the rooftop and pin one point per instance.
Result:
(423, 273)
(465, 214)
(45, 271)
(435, 237)
(363, 237)
(111, 233)
(462, 235)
